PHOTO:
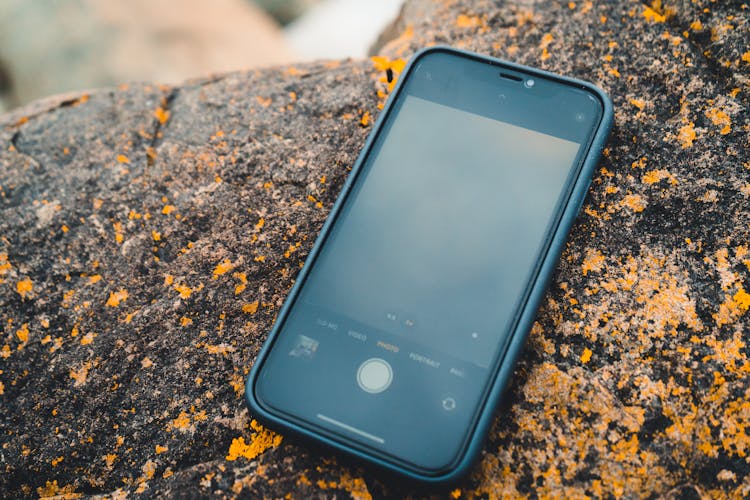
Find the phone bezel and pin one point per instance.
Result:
(524, 314)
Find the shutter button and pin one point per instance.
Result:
(374, 375)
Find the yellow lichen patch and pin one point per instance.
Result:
(23, 333)
(184, 291)
(168, 209)
(88, 338)
(185, 321)
(109, 459)
(544, 44)
(638, 103)
(720, 118)
(24, 287)
(118, 231)
(735, 425)
(162, 115)
(148, 469)
(464, 21)
(80, 374)
(51, 489)
(5, 266)
(160, 449)
(592, 261)
(219, 349)
(734, 306)
(222, 268)
(116, 297)
(686, 136)
(146, 363)
(263, 101)
(365, 120)
(260, 441)
(95, 278)
(655, 13)
(156, 235)
(634, 202)
(242, 284)
(250, 308)
(392, 68)
(654, 176)
(2, 388)
(355, 486)
(182, 422)
(123, 159)
(586, 355)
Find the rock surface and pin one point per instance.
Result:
(149, 235)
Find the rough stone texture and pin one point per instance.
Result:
(149, 235)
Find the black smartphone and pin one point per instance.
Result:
(405, 323)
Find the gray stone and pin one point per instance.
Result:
(130, 329)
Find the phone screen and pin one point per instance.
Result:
(403, 315)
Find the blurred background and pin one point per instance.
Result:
(54, 46)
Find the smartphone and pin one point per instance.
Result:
(404, 325)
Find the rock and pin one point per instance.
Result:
(133, 308)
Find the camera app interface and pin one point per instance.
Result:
(399, 323)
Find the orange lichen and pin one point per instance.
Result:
(242, 284)
(184, 290)
(656, 13)
(654, 176)
(80, 374)
(634, 202)
(52, 489)
(123, 159)
(160, 449)
(168, 209)
(146, 363)
(260, 441)
(734, 306)
(544, 44)
(365, 120)
(222, 268)
(392, 68)
(162, 115)
(638, 103)
(219, 349)
(686, 136)
(464, 21)
(116, 297)
(5, 265)
(593, 261)
(88, 338)
(23, 333)
(719, 117)
(182, 422)
(586, 355)
(118, 231)
(24, 287)
(250, 308)
(263, 101)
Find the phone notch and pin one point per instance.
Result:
(511, 77)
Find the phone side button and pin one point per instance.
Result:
(374, 375)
